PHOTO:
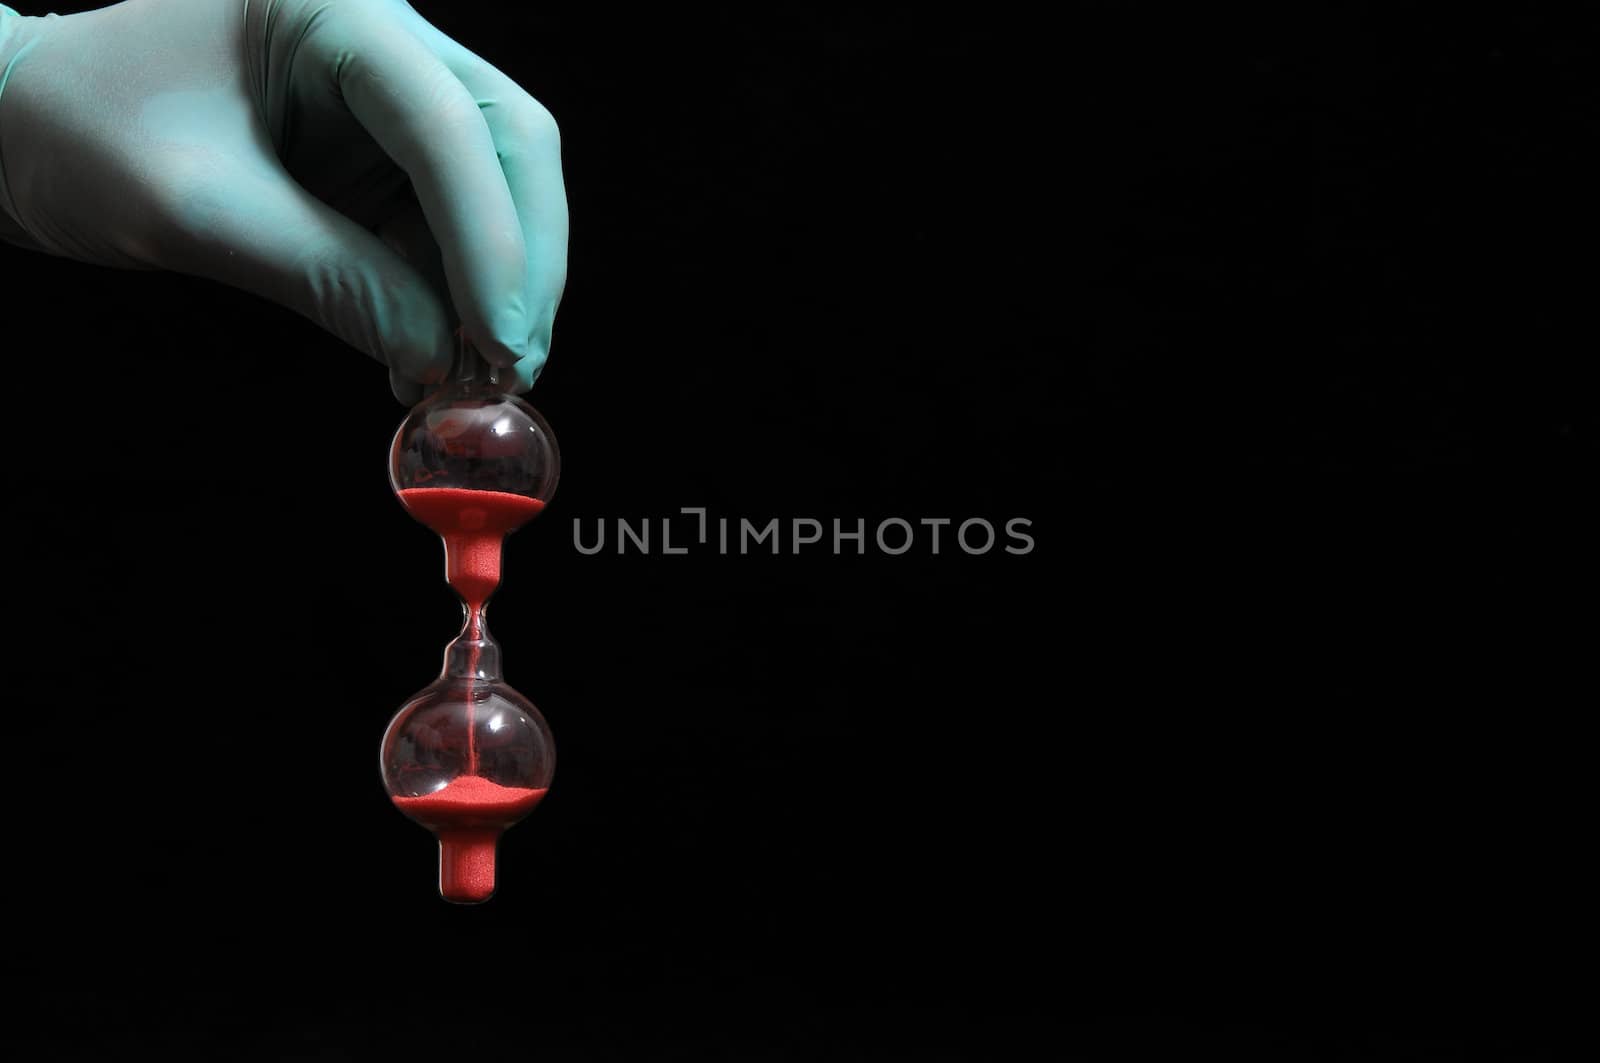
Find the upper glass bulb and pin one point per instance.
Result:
(470, 435)
(474, 464)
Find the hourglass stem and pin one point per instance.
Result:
(475, 636)
(473, 525)
(471, 367)
(471, 656)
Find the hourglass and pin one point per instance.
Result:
(468, 756)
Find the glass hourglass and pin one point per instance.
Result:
(468, 756)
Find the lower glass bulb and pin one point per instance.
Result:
(466, 758)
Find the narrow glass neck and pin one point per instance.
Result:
(473, 654)
(469, 370)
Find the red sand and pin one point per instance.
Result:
(472, 525)
(468, 816)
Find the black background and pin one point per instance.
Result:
(1280, 333)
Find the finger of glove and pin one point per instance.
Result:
(409, 392)
(406, 233)
(528, 143)
(428, 123)
(253, 227)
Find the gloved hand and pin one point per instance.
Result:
(274, 145)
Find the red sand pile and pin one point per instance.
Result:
(468, 816)
(472, 524)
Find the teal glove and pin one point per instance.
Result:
(275, 145)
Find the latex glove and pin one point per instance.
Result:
(274, 145)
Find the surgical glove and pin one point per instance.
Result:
(341, 157)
